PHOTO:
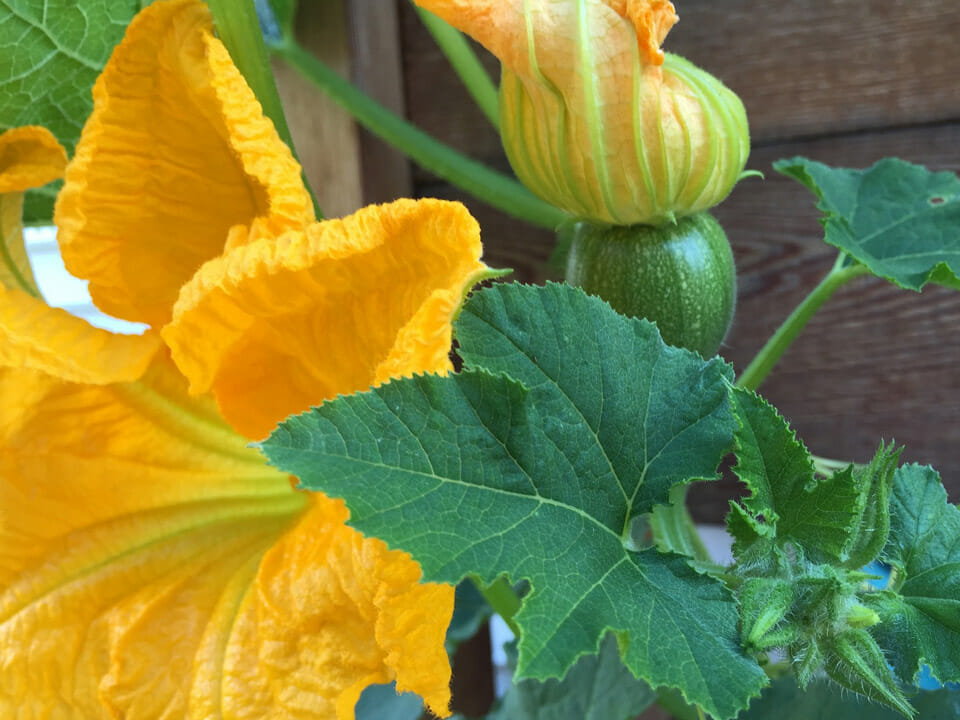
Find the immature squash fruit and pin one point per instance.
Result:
(680, 276)
(596, 119)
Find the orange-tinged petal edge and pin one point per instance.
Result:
(280, 324)
(176, 152)
(652, 20)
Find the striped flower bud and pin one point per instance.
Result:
(595, 118)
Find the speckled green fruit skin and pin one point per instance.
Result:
(680, 275)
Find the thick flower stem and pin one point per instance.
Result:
(466, 64)
(480, 181)
(504, 601)
(239, 29)
(767, 358)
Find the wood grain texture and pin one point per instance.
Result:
(376, 69)
(804, 67)
(436, 100)
(325, 136)
(808, 67)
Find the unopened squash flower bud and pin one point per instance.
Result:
(595, 118)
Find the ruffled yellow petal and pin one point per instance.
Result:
(280, 324)
(318, 594)
(29, 157)
(176, 152)
(38, 337)
(153, 567)
(75, 456)
(126, 510)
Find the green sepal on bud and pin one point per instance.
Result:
(640, 147)
(856, 662)
(764, 605)
(680, 276)
(875, 482)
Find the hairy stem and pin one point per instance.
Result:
(480, 181)
(770, 354)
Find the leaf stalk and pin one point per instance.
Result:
(770, 354)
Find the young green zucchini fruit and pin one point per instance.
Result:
(680, 276)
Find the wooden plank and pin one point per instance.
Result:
(806, 67)
(809, 67)
(325, 136)
(347, 166)
(378, 71)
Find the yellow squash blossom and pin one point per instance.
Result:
(152, 566)
(595, 118)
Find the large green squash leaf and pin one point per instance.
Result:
(539, 474)
(51, 52)
(900, 220)
(921, 611)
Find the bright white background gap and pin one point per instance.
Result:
(60, 288)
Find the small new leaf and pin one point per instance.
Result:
(921, 612)
(900, 220)
(764, 604)
(538, 474)
(787, 501)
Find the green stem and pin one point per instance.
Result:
(239, 29)
(466, 64)
(674, 529)
(768, 356)
(504, 601)
(488, 185)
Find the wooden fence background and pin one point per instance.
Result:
(846, 82)
(842, 81)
